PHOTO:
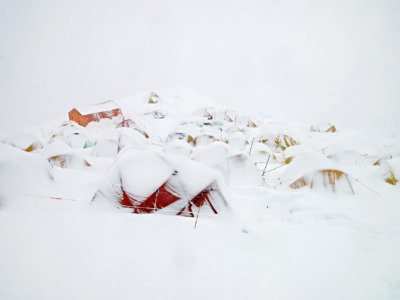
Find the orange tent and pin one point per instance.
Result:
(104, 110)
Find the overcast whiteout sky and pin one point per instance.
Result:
(333, 60)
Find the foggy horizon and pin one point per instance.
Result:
(336, 59)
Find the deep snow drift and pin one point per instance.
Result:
(312, 212)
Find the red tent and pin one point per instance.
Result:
(180, 187)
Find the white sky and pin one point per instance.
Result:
(330, 60)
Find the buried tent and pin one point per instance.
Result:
(232, 164)
(316, 171)
(23, 175)
(390, 170)
(60, 155)
(74, 136)
(22, 140)
(149, 182)
(111, 142)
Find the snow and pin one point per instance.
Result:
(21, 140)
(289, 68)
(96, 108)
(22, 174)
(63, 237)
(303, 255)
(142, 172)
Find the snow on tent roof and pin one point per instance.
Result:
(178, 147)
(66, 129)
(129, 136)
(22, 140)
(60, 155)
(214, 153)
(297, 150)
(335, 148)
(391, 170)
(56, 148)
(103, 106)
(260, 147)
(394, 164)
(141, 173)
(316, 171)
(259, 152)
(193, 175)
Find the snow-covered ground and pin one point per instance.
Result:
(337, 237)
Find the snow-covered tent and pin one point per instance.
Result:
(154, 98)
(390, 170)
(74, 136)
(129, 123)
(206, 112)
(316, 171)
(246, 121)
(178, 147)
(85, 115)
(260, 152)
(60, 155)
(23, 140)
(284, 141)
(149, 182)
(22, 175)
(237, 140)
(204, 139)
(231, 115)
(130, 137)
(111, 142)
(232, 164)
(323, 127)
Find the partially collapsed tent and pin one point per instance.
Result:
(149, 182)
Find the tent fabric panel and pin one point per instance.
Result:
(160, 199)
(125, 200)
(85, 119)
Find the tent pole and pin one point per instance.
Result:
(266, 166)
(251, 146)
(198, 212)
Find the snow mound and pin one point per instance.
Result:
(22, 175)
